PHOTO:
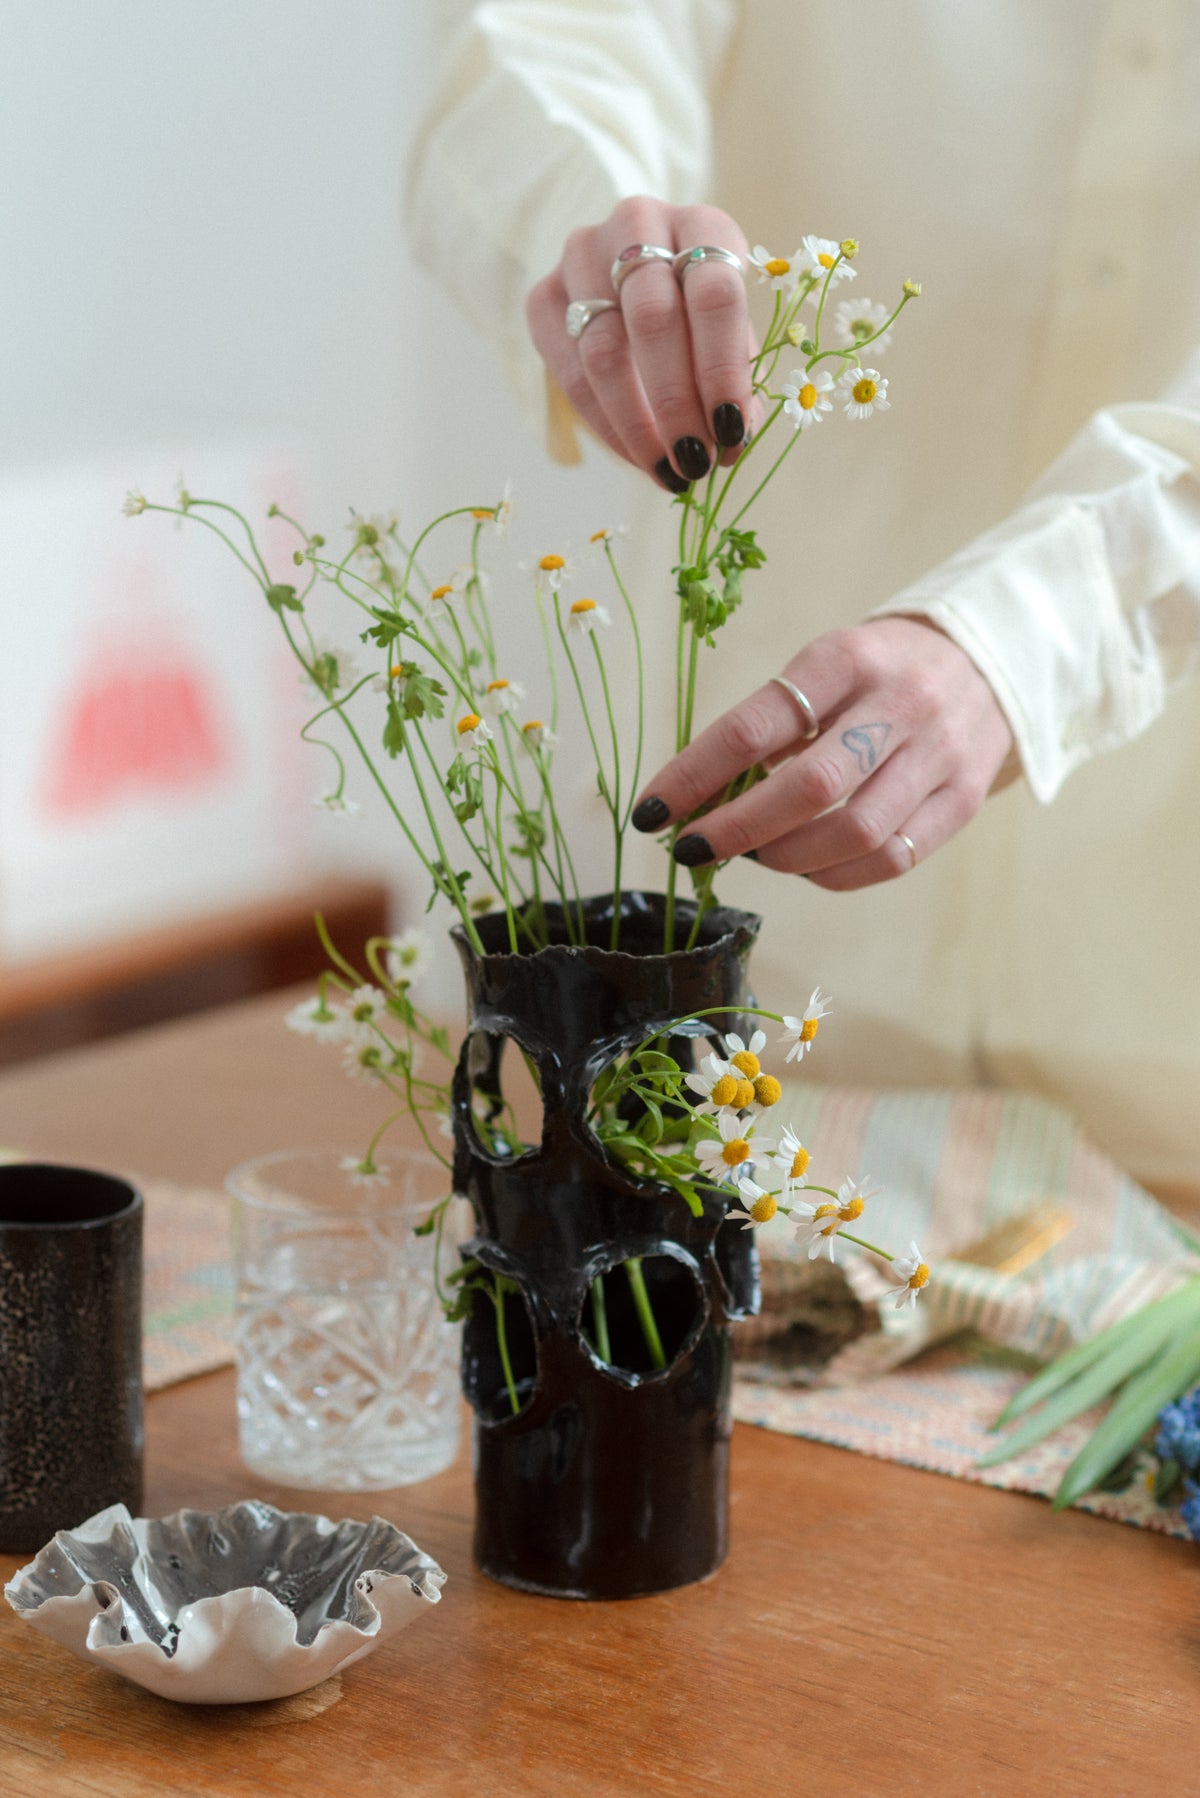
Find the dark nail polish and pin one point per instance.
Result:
(692, 458)
(729, 427)
(650, 813)
(693, 851)
(750, 855)
(669, 478)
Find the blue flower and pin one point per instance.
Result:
(1178, 1437)
(1189, 1510)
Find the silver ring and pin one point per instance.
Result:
(635, 255)
(812, 724)
(580, 314)
(911, 847)
(704, 252)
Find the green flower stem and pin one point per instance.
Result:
(508, 907)
(551, 658)
(641, 1300)
(499, 1286)
(454, 512)
(637, 649)
(776, 465)
(618, 821)
(191, 512)
(403, 1111)
(873, 1248)
(218, 505)
(562, 852)
(480, 855)
(600, 1319)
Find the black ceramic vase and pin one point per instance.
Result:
(611, 1480)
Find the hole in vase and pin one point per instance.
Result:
(641, 1314)
(506, 1098)
(499, 1353)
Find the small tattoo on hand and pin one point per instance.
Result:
(865, 741)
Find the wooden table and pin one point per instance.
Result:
(876, 1630)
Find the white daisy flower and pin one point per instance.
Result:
(363, 1172)
(334, 667)
(538, 735)
(450, 589)
(363, 1061)
(806, 396)
(732, 1155)
(365, 1008)
(408, 957)
(600, 540)
(313, 1017)
(500, 696)
(819, 255)
(370, 530)
(864, 390)
(760, 1206)
(856, 320)
(336, 803)
(817, 1225)
(717, 1085)
(550, 570)
(585, 615)
(501, 513)
(134, 503)
(793, 1158)
(744, 1056)
(472, 732)
(799, 1032)
(783, 272)
(913, 1272)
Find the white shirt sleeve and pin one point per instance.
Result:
(547, 114)
(1083, 607)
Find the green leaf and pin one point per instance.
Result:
(282, 599)
(1166, 1480)
(1168, 1375)
(393, 730)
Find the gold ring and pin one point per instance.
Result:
(812, 724)
(911, 847)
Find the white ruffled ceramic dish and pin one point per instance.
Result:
(225, 1607)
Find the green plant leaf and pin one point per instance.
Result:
(1170, 1373)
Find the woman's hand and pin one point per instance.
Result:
(664, 378)
(911, 740)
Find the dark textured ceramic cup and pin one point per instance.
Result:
(70, 1349)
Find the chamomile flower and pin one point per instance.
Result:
(817, 1226)
(913, 1272)
(852, 1198)
(600, 540)
(760, 1206)
(821, 255)
(798, 1033)
(315, 1017)
(550, 570)
(472, 732)
(806, 396)
(364, 1172)
(783, 272)
(408, 957)
(449, 590)
(500, 696)
(744, 1056)
(767, 1092)
(856, 320)
(793, 1158)
(333, 668)
(134, 503)
(365, 1007)
(500, 515)
(717, 1085)
(864, 390)
(370, 530)
(337, 803)
(537, 735)
(364, 1061)
(733, 1154)
(585, 615)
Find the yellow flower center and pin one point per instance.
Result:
(482, 512)
(861, 327)
(549, 564)
(441, 592)
(800, 1163)
(826, 260)
(744, 1095)
(912, 289)
(807, 397)
(767, 1090)
(396, 670)
(764, 1209)
(584, 605)
(735, 1152)
(865, 391)
(597, 536)
(534, 724)
(919, 1277)
(777, 265)
(745, 1063)
(470, 721)
(851, 1209)
(808, 1029)
(496, 686)
(724, 1090)
(829, 1211)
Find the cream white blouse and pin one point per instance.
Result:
(1033, 490)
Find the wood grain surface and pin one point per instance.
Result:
(876, 1630)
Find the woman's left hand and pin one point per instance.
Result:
(911, 740)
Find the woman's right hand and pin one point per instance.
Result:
(665, 378)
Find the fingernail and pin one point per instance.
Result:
(692, 458)
(693, 851)
(729, 427)
(650, 813)
(669, 478)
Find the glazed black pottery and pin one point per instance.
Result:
(611, 1480)
(70, 1350)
